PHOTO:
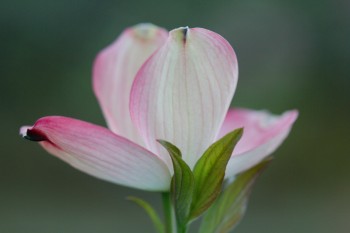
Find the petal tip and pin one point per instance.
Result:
(29, 133)
(294, 114)
(180, 34)
(146, 31)
(23, 131)
(291, 116)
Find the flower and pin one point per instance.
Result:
(152, 84)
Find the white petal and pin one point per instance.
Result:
(181, 94)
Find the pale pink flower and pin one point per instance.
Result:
(151, 85)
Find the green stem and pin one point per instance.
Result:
(182, 229)
(171, 225)
(168, 213)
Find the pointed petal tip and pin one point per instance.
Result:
(23, 131)
(180, 34)
(29, 133)
(293, 115)
(283, 122)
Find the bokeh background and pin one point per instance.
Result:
(292, 54)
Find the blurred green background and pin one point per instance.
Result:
(292, 54)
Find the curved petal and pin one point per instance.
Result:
(263, 133)
(99, 152)
(114, 71)
(181, 94)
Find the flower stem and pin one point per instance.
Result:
(182, 229)
(170, 227)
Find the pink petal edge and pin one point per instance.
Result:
(99, 152)
(263, 134)
(114, 71)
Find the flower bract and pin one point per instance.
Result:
(151, 85)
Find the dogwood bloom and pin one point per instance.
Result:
(152, 84)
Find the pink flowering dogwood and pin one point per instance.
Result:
(151, 85)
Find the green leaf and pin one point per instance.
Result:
(151, 213)
(182, 184)
(229, 208)
(209, 172)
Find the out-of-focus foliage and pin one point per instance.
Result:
(229, 209)
(292, 54)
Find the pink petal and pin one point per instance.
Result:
(181, 94)
(114, 71)
(100, 153)
(263, 133)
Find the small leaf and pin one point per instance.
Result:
(182, 184)
(229, 208)
(151, 213)
(209, 172)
